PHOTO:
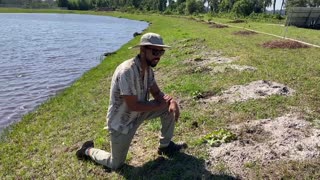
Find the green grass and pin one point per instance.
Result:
(43, 144)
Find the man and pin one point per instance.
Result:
(132, 82)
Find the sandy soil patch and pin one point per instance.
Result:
(221, 69)
(228, 67)
(284, 44)
(254, 90)
(207, 58)
(266, 141)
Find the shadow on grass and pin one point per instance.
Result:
(180, 166)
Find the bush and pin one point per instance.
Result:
(243, 7)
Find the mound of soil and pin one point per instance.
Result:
(218, 26)
(208, 57)
(245, 33)
(254, 90)
(284, 44)
(225, 68)
(266, 141)
(211, 22)
(237, 21)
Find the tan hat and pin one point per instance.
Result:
(151, 39)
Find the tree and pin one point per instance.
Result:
(191, 6)
(297, 3)
(243, 7)
(225, 6)
(214, 5)
(274, 6)
(281, 6)
(62, 3)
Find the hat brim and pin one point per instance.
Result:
(158, 45)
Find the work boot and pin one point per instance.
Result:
(172, 148)
(81, 153)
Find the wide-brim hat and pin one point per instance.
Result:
(151, 39)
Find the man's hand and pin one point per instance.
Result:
(174, 108)
(167, 98)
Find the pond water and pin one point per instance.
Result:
(41, 54)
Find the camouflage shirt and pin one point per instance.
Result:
(127, 80)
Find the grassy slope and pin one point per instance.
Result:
(43, 144)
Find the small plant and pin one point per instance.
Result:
(216, 138)
(197, 95)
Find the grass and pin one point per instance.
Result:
(43, 144)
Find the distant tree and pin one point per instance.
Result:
(103, 3)
(282, 4)
(84, 5)
(314, 3)
(297, 3)
(181, 8)
(261, 5)
(274, 6)
(172, 5)
(62, 3)
(243, 7)
(191, 6)
(214, 5)
(225, 5)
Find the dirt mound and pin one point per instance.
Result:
(208, 57)
(220, 69)
(245, 33)
(237, 21)
(267, 141)
(218, 26)
(211, 22)
(254, 90)
(284, 44)
(228, 67)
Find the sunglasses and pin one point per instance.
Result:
(156, 52)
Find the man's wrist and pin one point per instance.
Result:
(172, 101)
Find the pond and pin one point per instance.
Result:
(41, 54)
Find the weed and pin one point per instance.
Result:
(216, 138)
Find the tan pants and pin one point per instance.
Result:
(120, 142)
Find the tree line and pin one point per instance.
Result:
(237, 7)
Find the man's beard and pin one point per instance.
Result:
(151, 63)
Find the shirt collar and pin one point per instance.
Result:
(137, 61)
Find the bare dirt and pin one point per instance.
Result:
(237, 21)
(266, 141)
(218, 26)
(245, 33)
(284, 44)
(207, 58)
(255, 90)
(228, 67)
